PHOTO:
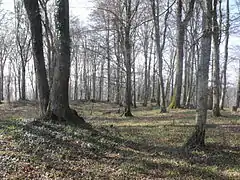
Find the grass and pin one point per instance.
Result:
(147, 146)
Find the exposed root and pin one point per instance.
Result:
(197, 139)
(68, 116)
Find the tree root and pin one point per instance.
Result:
(196, 140)
(67, 116)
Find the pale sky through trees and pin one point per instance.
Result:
(77, 7)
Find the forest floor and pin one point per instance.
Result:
(147, 146)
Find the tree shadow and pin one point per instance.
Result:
(106, 146)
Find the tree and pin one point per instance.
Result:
(216, 69)
(59, 103)
(160, 47)
(224, 71)
(181, 28)
(34, 16)
(23, 40)
(198, 137)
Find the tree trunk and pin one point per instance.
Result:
(76, 79)
(108, 61)
(101, 82)
(59, 102)
(23, 87)
(198, 137)
(94, 79)
(159, 49)
(129, 73)
(1, 83)
(128, 57)
(34, 16)
(224, 88)
(238, 90)
(181, 26)
(216, 68)
(145, 52)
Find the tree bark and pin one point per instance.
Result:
(198, 137)
(216, 68)
(181, 26)
(59, 102)
(34, 16)
(159, 49)
(224, 88)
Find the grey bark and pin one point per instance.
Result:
(159, 48)
(224, 72)
(181, 27)
(216, 59)
(198, 137)
(59, 99)
(34, 16)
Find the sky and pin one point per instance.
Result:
(79, 8)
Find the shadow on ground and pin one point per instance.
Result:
(46, 150)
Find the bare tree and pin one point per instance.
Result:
(59, 102)
(181, 28)
(224, 71)
(216, 68)
(34, 16)
(160, 46)
(198, 137)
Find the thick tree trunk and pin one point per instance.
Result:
(198, 137)
(59, 103)
(34, 16)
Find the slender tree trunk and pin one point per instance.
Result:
(216, 68)
(198, 137)
(94, 79)
(145, 52)
(224, 88)
(108, 61)
(153, 98)
(1, 83)
(134, 86)
(159, 49)
(15, 87)
(76, 79)
(101, 82)
(19, 83)
(23, 87)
